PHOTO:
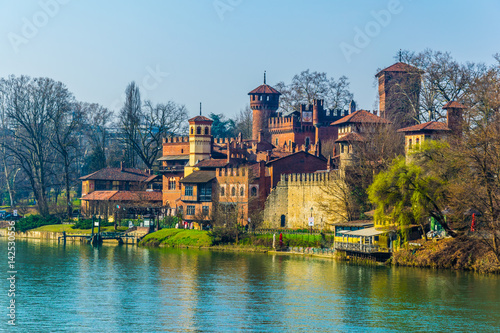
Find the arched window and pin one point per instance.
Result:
(206, 130)
(409, 143)
(253, 191)
(192, 130)
(242, 191)
(198, 130)
(233, 191)
(283, 221)
(222, 191)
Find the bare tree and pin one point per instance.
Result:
(30, 105)
(97, 123)
(307, 86)
(130, 117)
(144, 127)
(243, 123)
(67, 121)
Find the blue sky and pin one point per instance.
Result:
(215, 51)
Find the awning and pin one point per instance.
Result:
(365, 232)
(174, 158)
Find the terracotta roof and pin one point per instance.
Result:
(351, 137)
(99, 195)
(428, 126)
(454, 105)
(137, 196)
(399, 67)
(264, 89)
(151, 178)
(200, 118)
(292, 154)
(199, 177)
(361, 116)
(127, 174)
(219, 163)
(123, 196)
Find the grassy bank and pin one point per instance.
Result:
(177, 238)
(462, 253)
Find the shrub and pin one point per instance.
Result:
(83, 224)
(35, 221)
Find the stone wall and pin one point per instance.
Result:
(293, 198)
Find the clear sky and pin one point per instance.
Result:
(215, 51)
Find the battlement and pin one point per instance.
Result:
(224, 140)
(305, 178)
(232, 172)
(176, 139)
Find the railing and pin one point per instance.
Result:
(356, 247)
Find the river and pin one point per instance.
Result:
(79, 288)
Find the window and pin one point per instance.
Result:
(253, 191)
(198, 130)
(233, 191)
(409, 143)
(289, 143)
(341, 148)
(180, 210)
(417, 141)
(276, 142)
(182, 151)
(171, 184)
(192, 130)
(188, 190)
(205, 192)
(242, 191)
(102, 185)
(222, 191)
(205, 210)
(307, 141)
(190, 210)
(206, 130)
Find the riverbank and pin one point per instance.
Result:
(462, 253)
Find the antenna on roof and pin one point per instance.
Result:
(264, 77)
(200, 108)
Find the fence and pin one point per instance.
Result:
(357, 247)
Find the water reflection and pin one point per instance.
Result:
(111, 288)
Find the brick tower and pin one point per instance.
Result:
(200, 141)
(454, 117)
(399, 90)
(264, 101)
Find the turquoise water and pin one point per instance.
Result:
(77, 288)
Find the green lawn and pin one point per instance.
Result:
(178, 237)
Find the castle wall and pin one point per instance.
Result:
(295, 195)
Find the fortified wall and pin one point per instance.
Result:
(289, 203)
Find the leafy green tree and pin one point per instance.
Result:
(222, 127)
(407, 195)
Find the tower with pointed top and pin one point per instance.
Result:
(399, 90)
(200, 141)
(264, 102)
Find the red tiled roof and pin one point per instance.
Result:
(291, 154)
(200, 118)
(454, 105)
(219, 163)
(361, 116)
(127, 174)
(264, 89)
(151, 178)
(351, 137)
(99, 195)
(399, 67)
(428, 126)
(123, 196)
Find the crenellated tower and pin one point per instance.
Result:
(200, 141)
(264, 101)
